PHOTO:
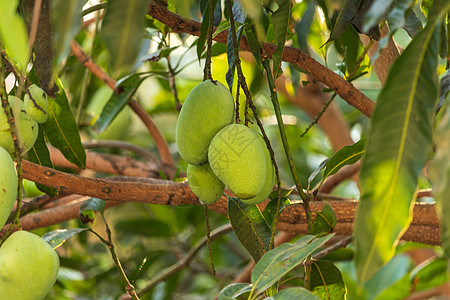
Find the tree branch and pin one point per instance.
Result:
(295, 56)
(425, 226)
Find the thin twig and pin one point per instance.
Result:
(249, 103)
(17, 155)
(207, 71)
(295, 56)
(128, 286)
(173, 86)
(319, 115)
(161, 143)
(183, 262)
(208, 238)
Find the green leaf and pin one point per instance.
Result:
(445, 88)
(324, 221)
(303, 28)
(392, 272)
(440, 178)
(270, 210)
(255, 47)
(326, 281)
(143, 226)
(182, 8)
(39, 155)
(279, 261)
(125, 90)
(295, 293)
(234, 290)
(123, 31)
(375, 13)
(348, 155)
(203, 30)
(431, 274)
(397, 16)
(280, 19)
(87, 209)
(66, 19)
(239, 15)
(58, 237)
(13, 34)
(348, 11)
(224, 26)
(61, 129)
(397, 150)
(250, 227)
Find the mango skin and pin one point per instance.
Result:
(37, 110)
(208, 108)
(28, 267)
(27, 127)
(270, 178)
(238, 160)
(204, 183)
(8, 185)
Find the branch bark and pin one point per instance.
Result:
(425, 226)
(295, 56)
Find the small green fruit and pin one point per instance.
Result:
(237, 157)
(204, 183)
(36, 106)
(270, 176)
(8, 185)
(27, 128)
(28, 267)
(208, 108)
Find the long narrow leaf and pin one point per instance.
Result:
(278, 262)
(13, 34)
(281, 20)
(66, 20)
(123, 31)
(397, 150)
(62, 130)
(440, 176)
(239, 16)
(250, 227)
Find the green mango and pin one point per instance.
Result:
(270, 176)
(36, 106)
(208, 108)
(27, 128)
(204, 183)
(237, 158)
(8, 185)
(28, 267)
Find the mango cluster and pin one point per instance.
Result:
(28, 265)
(219, 152)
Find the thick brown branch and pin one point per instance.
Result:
(424, 227)
(346, 90)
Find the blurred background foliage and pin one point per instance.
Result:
(150, 238)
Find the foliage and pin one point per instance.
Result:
(299, 59)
